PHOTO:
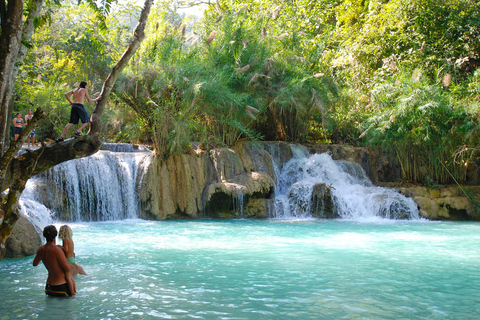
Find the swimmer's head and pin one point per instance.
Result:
(65, 232)
(50, 233)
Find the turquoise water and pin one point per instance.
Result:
(271, 269)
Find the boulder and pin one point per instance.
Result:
(24, 240)
(322, 205)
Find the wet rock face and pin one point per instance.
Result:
(259, 208)
(240, 182)
(446, 203)
(24, 240)
(322, 205)
(221, 183)
(239, 197)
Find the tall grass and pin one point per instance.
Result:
(425, 126)
(228, 80)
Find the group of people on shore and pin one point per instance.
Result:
(77, 112)
(19, 123)
(59, 261)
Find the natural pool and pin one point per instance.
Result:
(270, 269)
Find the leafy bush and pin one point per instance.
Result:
(421, 122)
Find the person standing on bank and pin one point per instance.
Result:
(31, 135)
(56, 263)
(18, 124)
(78, 111)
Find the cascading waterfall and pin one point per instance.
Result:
(96, 188)
(124, 147)
(353, 196)
(36, 212)
(105, 187)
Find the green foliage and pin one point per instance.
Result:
(408, 82)
(400, 75)
(424, 126)
(227, 81)
(66, 51)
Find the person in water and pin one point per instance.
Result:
(56, 263)
(78, 111)
(18, 123)
(65, 233)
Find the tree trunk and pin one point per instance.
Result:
(11, 15)
(138, 37)
(16, 169)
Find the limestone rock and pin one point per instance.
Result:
(173, 188)
(322, 205)
(24, 240)
(259, 208)
(445, 203)
(227, 199)
(226, 162)
(262, 156)
(188, 185)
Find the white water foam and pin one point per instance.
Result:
(96, 188)
(353, 194)
(36, 212)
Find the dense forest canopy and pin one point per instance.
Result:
(398, 75)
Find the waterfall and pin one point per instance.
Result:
(124, 147)
(96, 188)
(299, 151)
(105, 186)
(307, 185)
(36, 212)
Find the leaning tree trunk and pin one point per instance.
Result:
(138, 37)
(15, 170)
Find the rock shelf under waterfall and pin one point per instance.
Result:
(251, 180)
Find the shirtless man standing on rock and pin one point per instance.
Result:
(78, 111)
(56, 263)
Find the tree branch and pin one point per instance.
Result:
(16, 170)
(48, 156)
(138, 37)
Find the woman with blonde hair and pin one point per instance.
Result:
(65, 233)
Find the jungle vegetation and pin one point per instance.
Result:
(400, 76)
